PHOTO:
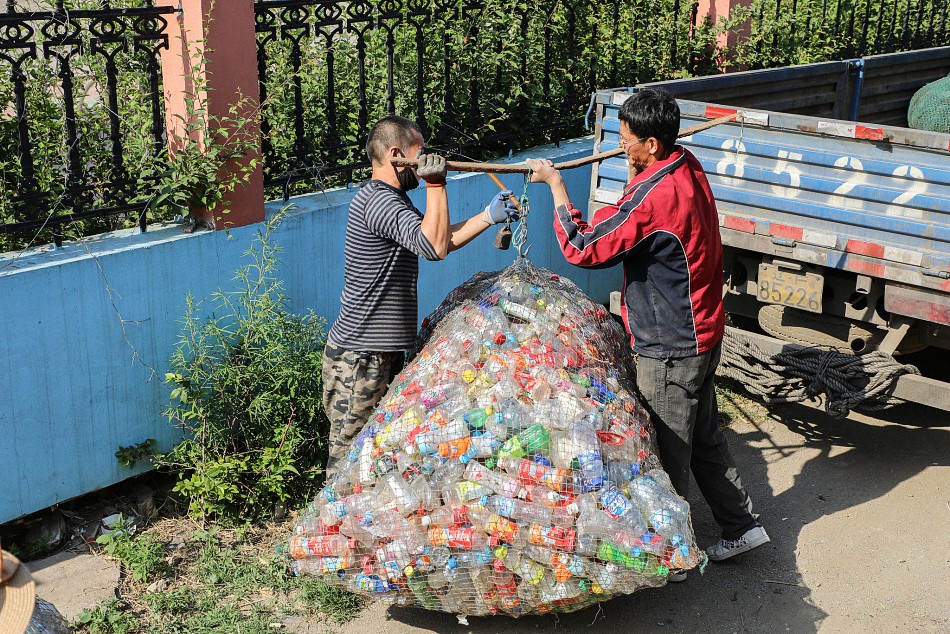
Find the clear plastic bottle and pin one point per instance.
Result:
(516, 310)
(501, 483)
(446, 516)
(558, 592)
(322, 565)
(428, 442)
(586, 448)
(564, 565)
(562, 449)
(351, 527)
(616, 505)
(366, 464)
(591, 520)
(394, 557)
(513, 416)
(483, 445)
(460, 537)
(420, 588)
(444, 472)
(484, 587)
(506, 388)
(436, 395)
(515, 559)
(523, 511)
(474, 558)
(391, 525)
(463, 492)
(552, 536)
(404, 498)
(531, 472)
(506, 589)
(604, 575)
(423, 491)
(500, 529)
(534, 439)
(393, 434)
(302, 546)
(312, 525)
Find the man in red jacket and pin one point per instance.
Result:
(664, 230)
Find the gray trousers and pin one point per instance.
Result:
(681, 397)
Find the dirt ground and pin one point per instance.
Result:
(858, 511)
(859, 515)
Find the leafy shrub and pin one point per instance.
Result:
(247, 392)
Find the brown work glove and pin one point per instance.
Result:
(432, 169)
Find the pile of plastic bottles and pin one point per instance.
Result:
(508, 469)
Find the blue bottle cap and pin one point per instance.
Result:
(541, 459)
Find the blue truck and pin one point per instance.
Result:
(835, 217)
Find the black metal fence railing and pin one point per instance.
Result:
(80, 105)
(482, 76)
(81, 108)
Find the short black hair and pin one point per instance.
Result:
(652, 112)
(388, 132)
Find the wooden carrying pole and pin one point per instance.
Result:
(521, 168)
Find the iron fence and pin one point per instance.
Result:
(479, 76)
(69, 133)
(487, 76)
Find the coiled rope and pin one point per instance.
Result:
(847, 381)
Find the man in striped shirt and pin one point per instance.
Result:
(664, 231)
(385, 236)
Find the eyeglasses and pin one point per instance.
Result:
(624, 143)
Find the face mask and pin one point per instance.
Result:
(407, 179)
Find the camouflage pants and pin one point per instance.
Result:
(353, 383)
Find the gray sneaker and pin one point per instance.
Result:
(677, 577)
(726, 548)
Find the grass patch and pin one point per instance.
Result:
(333, 601)
(215, 579)
(735, 405)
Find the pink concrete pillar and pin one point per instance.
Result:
(717, 10)
(222, 34)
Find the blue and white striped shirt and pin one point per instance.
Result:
(384, 239)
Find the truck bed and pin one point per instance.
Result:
(863, 198)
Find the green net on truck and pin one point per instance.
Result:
(930, 107)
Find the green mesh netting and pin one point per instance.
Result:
(930, 107)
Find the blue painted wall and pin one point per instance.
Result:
(82, 328)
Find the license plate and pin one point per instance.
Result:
(790, 289)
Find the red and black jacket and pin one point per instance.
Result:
(665, 231)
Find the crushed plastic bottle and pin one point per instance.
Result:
(508, 470)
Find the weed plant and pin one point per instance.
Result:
(247, 393)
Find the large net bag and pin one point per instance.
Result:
(508, 469)
(930, 107)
